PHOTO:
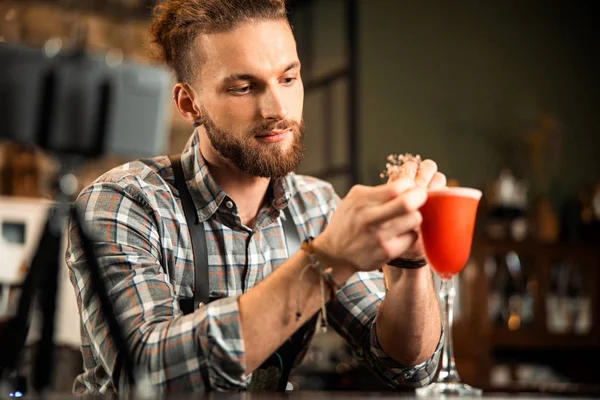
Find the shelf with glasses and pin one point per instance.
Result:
(528, 299)
(553, 289)
(530, 246)
(525, 339)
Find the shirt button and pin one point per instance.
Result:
(229, 204)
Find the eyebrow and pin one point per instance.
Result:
(248, 77)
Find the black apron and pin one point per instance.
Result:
(273, 374)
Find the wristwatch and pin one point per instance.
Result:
(408, 263)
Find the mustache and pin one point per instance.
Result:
(268, 126)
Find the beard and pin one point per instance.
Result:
(249, 155)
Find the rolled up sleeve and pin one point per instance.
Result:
(222, 338)
(397, 374)
(353, 317)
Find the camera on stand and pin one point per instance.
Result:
(75, 107)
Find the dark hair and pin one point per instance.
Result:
(177, 23)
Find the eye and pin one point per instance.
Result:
(240, 89)
(289, 80)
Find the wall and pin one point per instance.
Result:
(464, 82)
(320, 31)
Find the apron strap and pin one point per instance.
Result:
(197, 235)
(288, 352)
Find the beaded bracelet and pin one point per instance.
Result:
(325, 277)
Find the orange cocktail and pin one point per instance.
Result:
(447, 231)
(447, 228)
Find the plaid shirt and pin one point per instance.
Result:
(134, 215)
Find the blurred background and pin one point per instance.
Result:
(503, 95)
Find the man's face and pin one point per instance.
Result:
(250, 94)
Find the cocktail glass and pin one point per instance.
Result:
(447, 231)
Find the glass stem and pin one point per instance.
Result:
(448, 371)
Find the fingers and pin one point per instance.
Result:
(381, 193)
(438, 181)
(425, 173)
(407, 202)
(408, 222)
(400, 186)
(422, 173)
(409, 170)
(396, 246)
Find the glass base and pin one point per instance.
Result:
(448, 389)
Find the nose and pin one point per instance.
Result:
(273, 105)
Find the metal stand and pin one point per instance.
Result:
(42, 283)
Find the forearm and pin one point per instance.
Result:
(408, 321)
(268, 311)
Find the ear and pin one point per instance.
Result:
(184, 97)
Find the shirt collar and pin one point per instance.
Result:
(206, 193)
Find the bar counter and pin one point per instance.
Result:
(333, 395)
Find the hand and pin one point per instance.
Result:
(371, 226)
(424, 175)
